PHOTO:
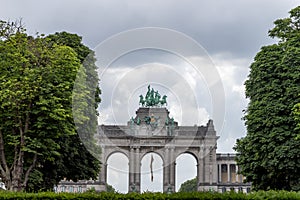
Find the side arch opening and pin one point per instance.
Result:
(186, 169)
(118, 171)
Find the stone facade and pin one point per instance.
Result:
(77, 187)
(152, 130)
(162, 135)
(228, 177)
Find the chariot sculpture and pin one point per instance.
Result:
(152, 99)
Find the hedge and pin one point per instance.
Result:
(180, 195)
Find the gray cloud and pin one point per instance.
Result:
(238, 27)
(231, 31)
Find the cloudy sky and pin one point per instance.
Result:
(197, 52)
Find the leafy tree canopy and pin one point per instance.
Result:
(296, 112)
(110, 188)
(269, 155)
(38, 140)
(189, 186)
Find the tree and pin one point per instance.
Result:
(75, 161)
(296, 112)
(110, 188)
(189, 186)
(38, 140)
(269, 155)
(87, 105)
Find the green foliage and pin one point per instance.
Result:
(39, 144)
(181, 195)
(189, 185)
(110, 188)
(296, 113)
(74, 161)
(269, 155)
(86, 92)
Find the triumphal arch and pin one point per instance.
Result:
(152, 130)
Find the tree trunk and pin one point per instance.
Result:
(14, 178)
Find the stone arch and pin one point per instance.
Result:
(153, 179)
(158, 152)
(192, 153)
(108, 153)
(169, 141)
(117, 168)
(182, 159)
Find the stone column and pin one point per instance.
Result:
(200, 171)
(228, 173)
(166, 170)
(215, 177)
(103, 172)
(205, 167)
(220, 173)
(131, 170)
(236, 173)
(172, 170)
(137, 169)
(211, 175)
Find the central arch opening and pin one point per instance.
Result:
(186, 169)
(117, 172)
(151, 173)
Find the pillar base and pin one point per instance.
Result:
(169, 189)
(134, 188)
